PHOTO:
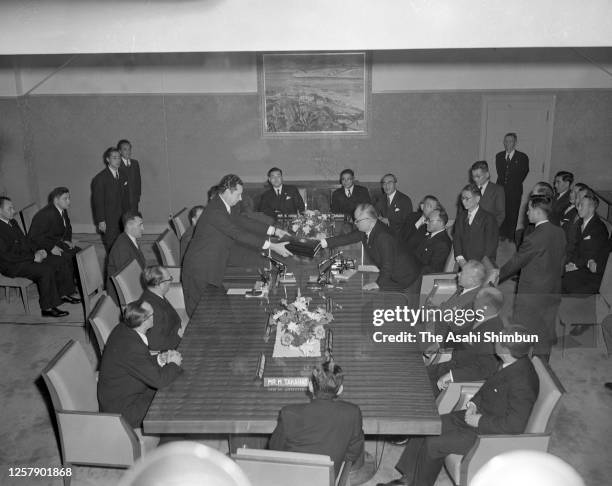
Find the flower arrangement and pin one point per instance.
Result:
(312, 224)
(298, 325)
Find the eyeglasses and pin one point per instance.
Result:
(169, 279)
(427, 220)
(466, 198)
(362, 219)
(148, 316)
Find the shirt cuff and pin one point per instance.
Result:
(271, 231)
(266, 245)
(323, 243)
(159, 361)
(459, 257)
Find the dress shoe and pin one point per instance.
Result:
(608, 385)
(397, 482)
(54, 312)
(578, 329)
(402, 441)
(71, 300)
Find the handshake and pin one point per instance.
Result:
(170, 356)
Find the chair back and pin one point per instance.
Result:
(437, 287)
(169, 249)
(304, 194)
(548, 397)
(71, 380)
(128, 283)
(27, 214)
(103, 320)
(90, 277)
(449, 266)
(181, 222)
(274, 468)
(605, 288)
(450, 228)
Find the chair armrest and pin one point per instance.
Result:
(97, 438)
(489, 446)
(175, 273)
(457, 394)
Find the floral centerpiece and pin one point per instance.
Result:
(312, 224)
(299, 329)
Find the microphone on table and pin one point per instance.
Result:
(325, 262)
(280, 266)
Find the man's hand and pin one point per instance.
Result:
(323, 242)
(370, 286)
(39, 256)
(57, 251)
(174, 357)
(281, 233)
(570, 267)
(280, 248)
(69, 244)
(461, 260)
(102, 226)
(443, 381)
(384, 220)
(472, 417)
(493, 277)
(592, 266)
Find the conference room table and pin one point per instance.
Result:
(219, 391)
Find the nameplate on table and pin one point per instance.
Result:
(286, 381)
(368, 268)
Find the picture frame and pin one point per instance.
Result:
(314, 94)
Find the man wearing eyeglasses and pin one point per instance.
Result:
(398, 269)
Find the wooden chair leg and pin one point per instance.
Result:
(24, 297)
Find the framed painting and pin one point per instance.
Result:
(314, 94)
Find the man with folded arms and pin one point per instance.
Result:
(501, 406)
(398, 269)
(280, 198)
(326, 425)
(349, 196)
(19, 257)
(129, 374)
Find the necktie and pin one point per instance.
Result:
(481, 191)
(348, 192)
(507, 158)
(64, 216)
(389, 198)
(278, 193)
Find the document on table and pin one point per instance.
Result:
(368, 268)
(237, 291)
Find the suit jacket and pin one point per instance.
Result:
(591, 244)
(410, 235)
(511, 176)
(15, 248)
(432, 252)
(341, 204)
(560, 204)
(49, 228)
(166, 323)
(129, 375)
(185, 239)
(494, 201)
(477, 240)
(122, 253)
(132, 173)
(506, 399)
(110, 198)
(541, 259)
(330, 427)
(397, 212)
(398, 268)
(570, 222)
(289, 202)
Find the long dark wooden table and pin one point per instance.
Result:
(217, 392)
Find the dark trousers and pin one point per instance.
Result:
(537, 312)
(43, 274)
(109, 237)
(513, 204)
(423, 458)
(581, 281)
(63, 266)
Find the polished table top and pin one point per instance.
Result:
(217, 392)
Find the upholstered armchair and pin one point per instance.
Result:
(128, 283)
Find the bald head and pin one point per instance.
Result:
(472, 274)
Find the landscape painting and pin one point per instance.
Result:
(314, 93)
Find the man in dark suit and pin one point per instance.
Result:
(512, 169)
(280, 198)
(129, 374)
(570, 221)
(435, 247)
(398, 269)
(124, 250)
(131, 167)
(110, 197)
(563, 186)
(349, 196)
(394, 207)
(587, 261)
(166, 332)
(540, 259)
(501, 406)
(19, 257)
(415, 230)
(51, 230)
(194, 214)
(476, 232)
(326, 425)
(492, 197)
(216, 232)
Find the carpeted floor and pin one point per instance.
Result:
(581, 429)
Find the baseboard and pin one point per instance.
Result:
(150, 228)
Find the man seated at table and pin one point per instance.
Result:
(398, 269)
(470, 280)
(280, 198)
(471, 361)
(166, 333)
(194, 214)
(326, 425)
(19, 257)
(433, 250)
(349, 196)
(129, 374)
(501, 406)
(51, 230)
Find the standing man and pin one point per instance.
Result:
(280, 199)
(349, 196)
(395, 207)
(512, 169)
(131, 167)
(110, 197)
(492, 197)
(540, 259)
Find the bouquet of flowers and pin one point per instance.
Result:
(298, 325)
(312, 224)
